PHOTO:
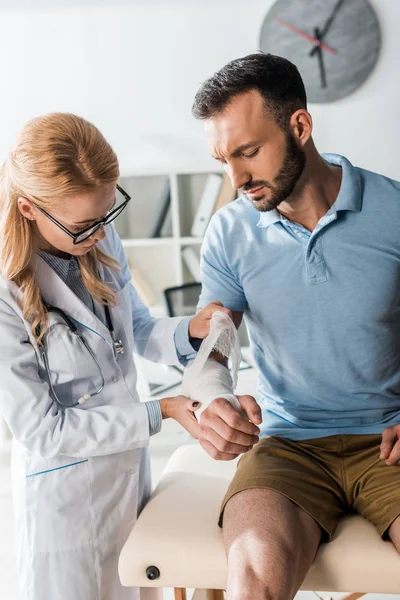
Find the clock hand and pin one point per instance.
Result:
(327, 25)
(320, 59)
(330, 19)
(306, 35)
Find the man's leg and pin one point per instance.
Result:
(394, 534)
(270, 544)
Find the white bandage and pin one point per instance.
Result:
(206, 379)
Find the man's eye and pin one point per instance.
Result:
(252, 154)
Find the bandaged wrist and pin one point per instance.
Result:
(213, 381)
(206, 379)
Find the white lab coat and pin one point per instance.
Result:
(78, 488)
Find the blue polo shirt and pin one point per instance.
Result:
(322, 309)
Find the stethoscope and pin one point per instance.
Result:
(117, 346)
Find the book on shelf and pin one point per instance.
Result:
(192, 261)
(227, 193)
(143, 289)
(166, 229)
(206, 205)
(160, 217)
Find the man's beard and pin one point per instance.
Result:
(286, 180)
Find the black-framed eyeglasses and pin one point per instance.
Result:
(86, 233)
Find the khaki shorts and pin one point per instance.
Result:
(326, 477)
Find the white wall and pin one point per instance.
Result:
(134, 67)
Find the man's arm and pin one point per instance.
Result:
(224, 432)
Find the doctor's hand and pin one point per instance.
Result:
(390, 446)
(182, 410)
(199, 325)
(225, 432)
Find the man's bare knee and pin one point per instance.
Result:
(270, 544)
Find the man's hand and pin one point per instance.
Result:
(390, 446)
(199, 325)
(225, 433)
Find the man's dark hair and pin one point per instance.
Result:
(276, 79)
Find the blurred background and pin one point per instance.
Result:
(132, 67)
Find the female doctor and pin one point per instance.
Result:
(70, 321)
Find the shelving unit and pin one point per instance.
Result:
(159, 260)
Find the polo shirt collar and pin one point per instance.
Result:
(349, 197)
(350, 194)
(269, 218)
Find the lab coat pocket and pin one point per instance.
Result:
(68, 360)
(58, 504)
(61, 348)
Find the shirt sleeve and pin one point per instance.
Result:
(186, 346)
(218, 277)
(155, 416)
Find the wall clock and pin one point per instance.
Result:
(334, 43)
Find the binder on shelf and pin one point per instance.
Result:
(166, 229)
(206, 205)
(143, 289)
(162, 209)
(227, 193)
(192, 261)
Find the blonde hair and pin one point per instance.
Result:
(56, 156)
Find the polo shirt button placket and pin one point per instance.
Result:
(315, 264)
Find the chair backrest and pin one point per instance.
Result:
(182, 300)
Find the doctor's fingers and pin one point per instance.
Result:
(227, 433)
(222, 408)
(189, 422)
(216, 305)
(174, 405)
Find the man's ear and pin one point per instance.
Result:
(301, 126)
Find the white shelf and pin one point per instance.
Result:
(139, 242)
(161, 262)
(187, 241)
